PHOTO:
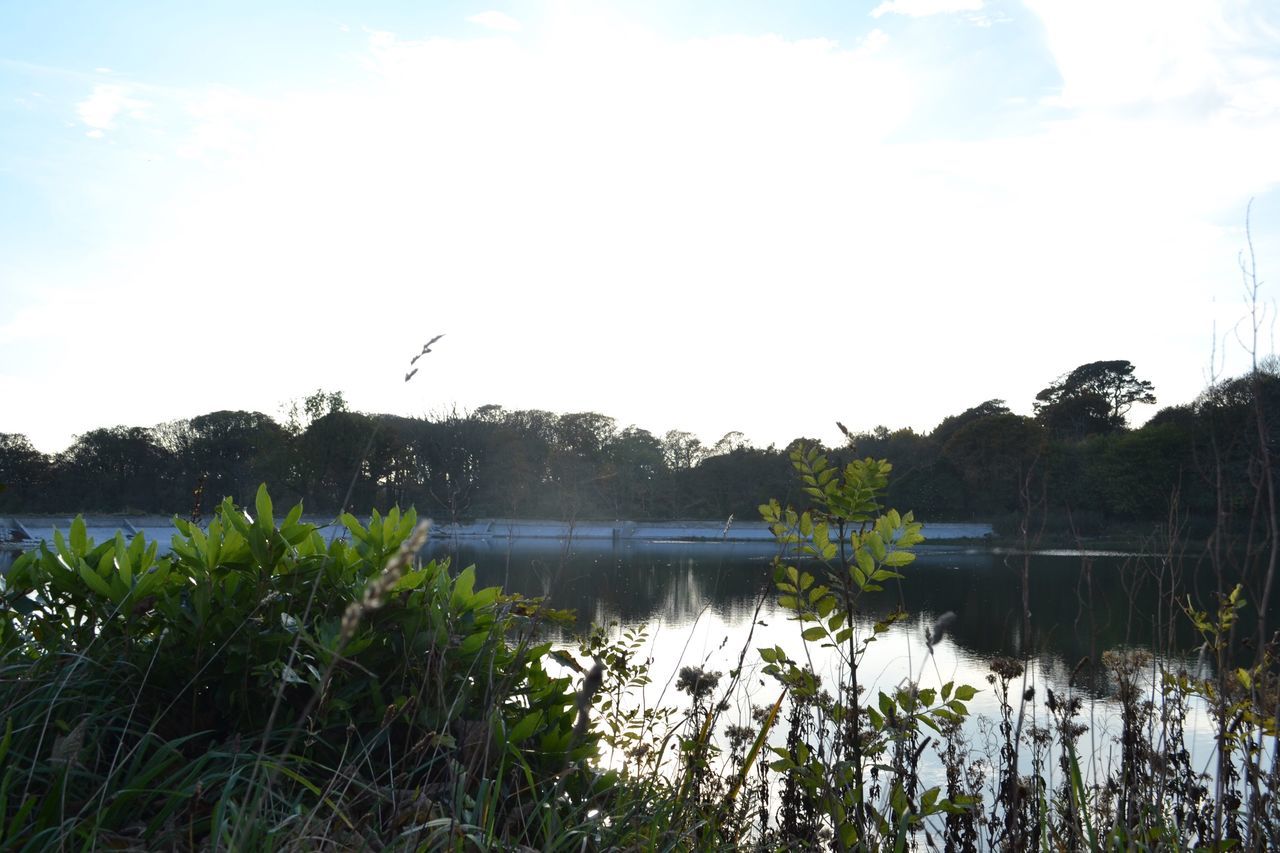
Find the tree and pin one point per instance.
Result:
(994, 456)
(636, 459)
(112, 469)
(683, 450)
(731, 441)
(952, 423)
(236, 451)
(22, 471)
(328, 456)
(1092, 399)
(314, 406)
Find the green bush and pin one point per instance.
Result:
(257, 687)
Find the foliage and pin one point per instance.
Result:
(1092, 472)
(1093, 398)
(23, 470)
(260, 685)
(263, 687)
(838, 745)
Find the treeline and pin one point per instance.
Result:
(1075, 461)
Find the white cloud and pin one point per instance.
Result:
(496, 21)
(925, 8)
(1194, 58)
(224, 121)
(614, 220)
(100, 110)
(875, 40)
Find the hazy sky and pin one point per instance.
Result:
(715, 216)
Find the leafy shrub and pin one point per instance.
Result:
(259, 685)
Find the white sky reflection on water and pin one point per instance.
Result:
(697, 612)
(894, 658)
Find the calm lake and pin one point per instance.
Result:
(701, 603)
(698, 603)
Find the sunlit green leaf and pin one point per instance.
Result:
(262, 505)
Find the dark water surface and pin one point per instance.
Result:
(703, 603)
(1079, 604)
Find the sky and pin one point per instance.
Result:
(711, 216)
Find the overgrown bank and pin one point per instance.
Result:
(260, 689)
(1076, 463)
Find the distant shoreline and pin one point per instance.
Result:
(16, 530)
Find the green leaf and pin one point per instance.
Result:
(815, 633)
(930, 797)
(964, 692)
(463, 586)
(473, 642)
(525, 727)
(60, 545)
(95, 582)
(865, 563)
(899, 558)
(876, 542)
(124, 565)
(79, 538)
(410, 580)
(262, 504)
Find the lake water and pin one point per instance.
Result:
(698, 602)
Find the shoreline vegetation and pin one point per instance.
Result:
(27, 531)
(22, 532)
(1088, 476)
(263, 688)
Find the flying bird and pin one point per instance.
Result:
(425, 349)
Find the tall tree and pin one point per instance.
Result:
(112, 469)
(951, 424)
(637, 463)
(23, 470)
(237, 450)
(995, 456)
(329, 457)
(1094, 398)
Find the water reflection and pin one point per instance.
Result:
(704, 603)
(1078, 605)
